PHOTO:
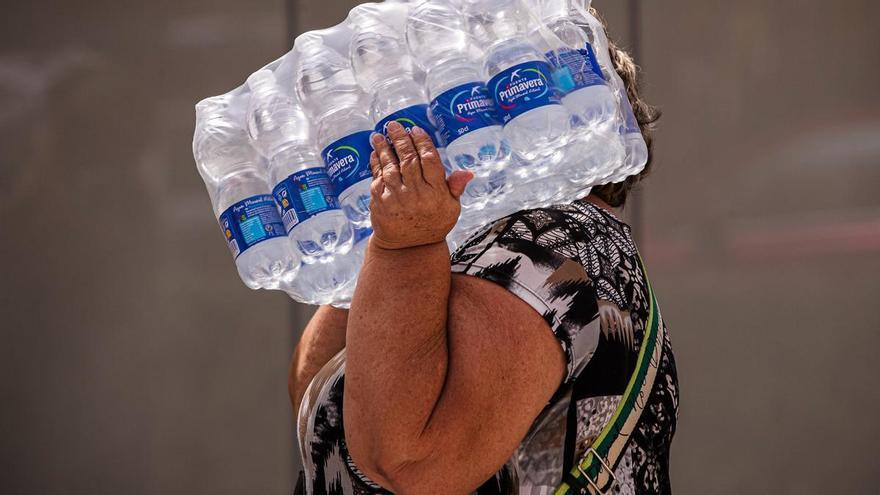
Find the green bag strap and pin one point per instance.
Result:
(594, 474)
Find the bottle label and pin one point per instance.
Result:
(463, 109)
(361, 234)
(409, 117)
(348, 160)
(523, 87)
(303, 195)
(250, 222)
(575, 69)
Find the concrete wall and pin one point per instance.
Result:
(762, 234)
(132, 360)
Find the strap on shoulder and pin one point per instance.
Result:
(594, 474)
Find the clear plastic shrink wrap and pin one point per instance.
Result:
(522, 93)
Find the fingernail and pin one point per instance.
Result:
(376, 138)
(418, 131)
(395, 125)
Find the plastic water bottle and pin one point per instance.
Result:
(279, 130)
(520, 79)
(461, 107)
(383, 67)
(334, 101)
(586, 93)
(578, 74)
(636, 148)
(240, 194)
(351, 263)
(536, 125)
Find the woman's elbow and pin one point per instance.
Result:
(411, 475)
(392, 466)
(377, 464)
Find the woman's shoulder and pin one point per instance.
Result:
(519, 254)
(562, 230)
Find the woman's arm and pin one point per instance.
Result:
(444, 374)
(322, 339)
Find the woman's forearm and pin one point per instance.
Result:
(396, 357)
(322, 339)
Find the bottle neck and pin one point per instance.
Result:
(291, 150)
(451, 74)
(262, 89)
(335, 112)
(453, 59)
(295, 157)
(337, 123)
(553, 17)
(394, 84)
(501, 42)
(231, 177)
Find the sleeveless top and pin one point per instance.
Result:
(577, 265)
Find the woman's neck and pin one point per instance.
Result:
(596, 200)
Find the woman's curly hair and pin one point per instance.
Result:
(646, 115)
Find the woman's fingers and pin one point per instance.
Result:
(390, 169)
(457, 182)
(432, 167)
(377, 186)
(375, 166)
(410, 164)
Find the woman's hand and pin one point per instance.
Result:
(412, 202)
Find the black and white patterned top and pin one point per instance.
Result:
(577, 265)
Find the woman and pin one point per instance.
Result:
(492, 373)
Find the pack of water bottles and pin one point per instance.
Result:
(522, 93)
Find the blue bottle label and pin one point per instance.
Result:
(463, 109)
(361, 234)
(348, 160)
(575, 69)
(303, 195)
(250, 222)
(409, 117)
(523, 87)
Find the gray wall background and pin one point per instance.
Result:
(133, 361)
